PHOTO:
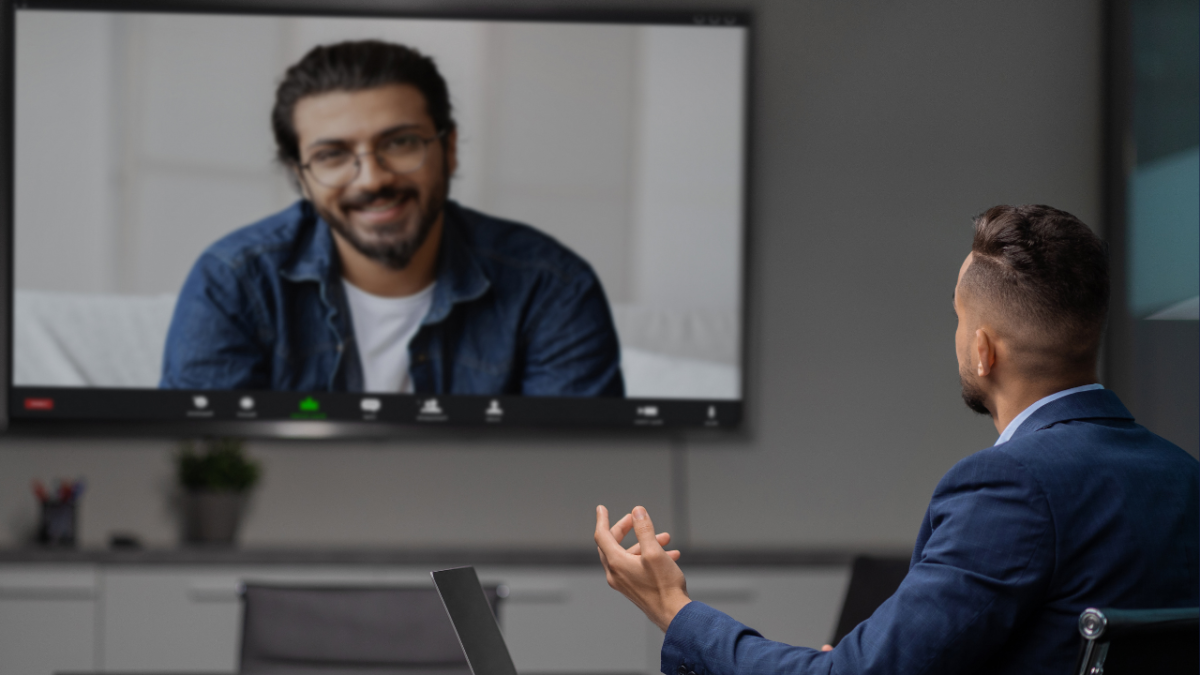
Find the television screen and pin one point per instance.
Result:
(349, 223)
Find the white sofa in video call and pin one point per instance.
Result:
(105, 340)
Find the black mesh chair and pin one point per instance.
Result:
(872, 580)
(349, 630)
(1125, 641)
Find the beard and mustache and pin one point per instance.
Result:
(972, 395)
(392, 245)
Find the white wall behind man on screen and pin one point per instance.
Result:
(65, 180)
(574, 129)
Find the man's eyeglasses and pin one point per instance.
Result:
(399, 154)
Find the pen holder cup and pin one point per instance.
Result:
(58, 524)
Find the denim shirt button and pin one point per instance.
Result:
(341, 347)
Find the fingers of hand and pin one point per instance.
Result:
(827, 648)
(603, 537)
(663, 538)
(601, 519)
(644, 528)
(674, 555)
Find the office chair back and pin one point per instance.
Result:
(872, 580)
(349, 630)
(1125, 641)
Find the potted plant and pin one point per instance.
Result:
(216, 476)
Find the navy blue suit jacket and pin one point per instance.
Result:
(1081, 508)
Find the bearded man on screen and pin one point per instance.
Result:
(376, 281)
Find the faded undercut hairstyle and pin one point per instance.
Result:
(355, 66)
(1044, 275)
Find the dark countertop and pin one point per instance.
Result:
(701, 557)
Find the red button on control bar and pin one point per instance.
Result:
(39, 404)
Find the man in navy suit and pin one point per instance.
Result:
(1075, 506)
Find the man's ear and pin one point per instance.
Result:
(298, 180)
(983, 349)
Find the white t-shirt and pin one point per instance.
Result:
(383, 328)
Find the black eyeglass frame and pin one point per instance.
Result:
(425, 142)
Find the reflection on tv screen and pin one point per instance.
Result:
(378, 205)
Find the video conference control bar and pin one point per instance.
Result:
(151, 405)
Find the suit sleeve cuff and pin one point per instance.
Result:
(690, 635)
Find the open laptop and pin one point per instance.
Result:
(474, 623)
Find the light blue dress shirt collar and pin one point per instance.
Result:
(1016, 423)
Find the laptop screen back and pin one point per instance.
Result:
(476, 626)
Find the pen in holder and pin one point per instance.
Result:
(59, 516)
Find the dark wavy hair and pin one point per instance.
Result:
(1046, 274)
(354, 66)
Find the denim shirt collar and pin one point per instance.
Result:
(315, 257)
(459, 275)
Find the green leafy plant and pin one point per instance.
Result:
(217, 464)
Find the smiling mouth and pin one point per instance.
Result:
(382, 211)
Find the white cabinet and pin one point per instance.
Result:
(161, 619)
(48, 619)
(174, 618)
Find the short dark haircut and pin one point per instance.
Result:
(1046, 274)
(355, 66)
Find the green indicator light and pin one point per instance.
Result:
(310, 405)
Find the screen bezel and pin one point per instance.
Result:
(565, 413)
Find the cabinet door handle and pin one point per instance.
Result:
(48, 590)
(215, 590)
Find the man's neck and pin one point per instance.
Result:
(378, 279)
(1010, 401)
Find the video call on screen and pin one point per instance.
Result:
(143, 139)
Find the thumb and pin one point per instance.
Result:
(644, 528)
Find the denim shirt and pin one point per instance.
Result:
(513, 312)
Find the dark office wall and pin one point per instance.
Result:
(879, 130)
(1167, 364)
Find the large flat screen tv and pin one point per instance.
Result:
(330, 218)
